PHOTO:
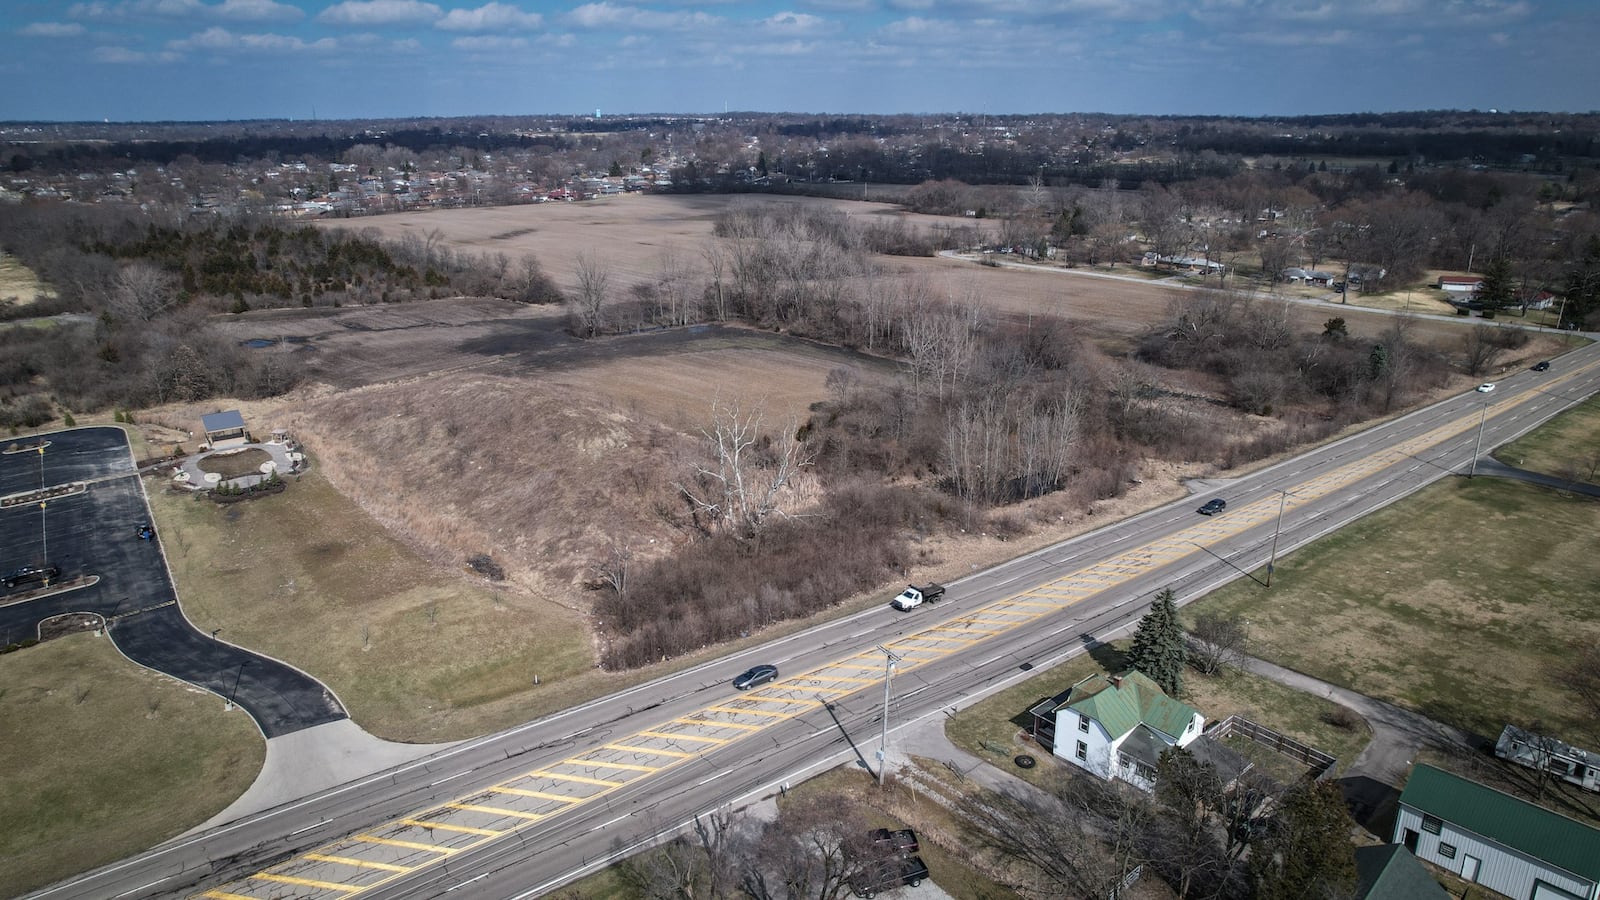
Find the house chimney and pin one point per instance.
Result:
(1116, 681)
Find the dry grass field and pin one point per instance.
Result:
(103, 758)
(18, 284)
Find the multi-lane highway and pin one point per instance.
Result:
(518, 813)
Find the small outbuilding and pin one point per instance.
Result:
(225, 429)
(1491, 838)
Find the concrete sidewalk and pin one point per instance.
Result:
(315, 759)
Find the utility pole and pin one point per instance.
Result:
(883, 742)
(1272, 560)
(235, 692)
(1483, 414)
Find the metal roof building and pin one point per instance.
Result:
(1494, 839)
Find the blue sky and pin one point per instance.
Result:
(240, 59)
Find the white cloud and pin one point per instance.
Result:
(226, 11)
(51, 30)
(482, 43)
(797, 24)
(122, 55)
(490, 17)
(217, 38)
(379, 12)
(406, 45)
(923, 29)
(611, 15)
(841, 5)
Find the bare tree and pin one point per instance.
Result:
(751, 476)
(613, 569)
(588, 304)
(1480, 348)
(1217, 640)
(142, 291)
(1081, 840)
(1582, 676)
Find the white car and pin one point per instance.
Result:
(1486, 387)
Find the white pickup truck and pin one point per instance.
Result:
(914, 596)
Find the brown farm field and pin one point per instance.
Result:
(470, 426)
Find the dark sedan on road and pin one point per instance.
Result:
(1542, 366)
(1213, 507)
(756, 677)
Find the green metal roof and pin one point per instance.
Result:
(1390, 872)
(1136, 700)
(1504, 819)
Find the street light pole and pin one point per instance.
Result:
(235, 692)
(1483, 415)
(883, 742)
(1272, 560)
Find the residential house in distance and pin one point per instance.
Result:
(1459, 285)
(1494, 839)
(1116, 726)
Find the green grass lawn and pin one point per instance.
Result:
(995, 729)
(1459, 602)
(103, 759)
(415, 652)
(1567, 446)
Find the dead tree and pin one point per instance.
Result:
(750, 477)
(588, 304)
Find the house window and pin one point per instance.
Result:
(1083, 751)
(1083, 723)
(1432, 824)
(1448, 851)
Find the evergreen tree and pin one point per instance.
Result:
(1307, 853)
(1159, 650)
(1583, 285)
(1497, 290)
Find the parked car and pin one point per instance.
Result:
(755, 677)
(1213, 507)
(1486, 387)
(1542, 366)
(901, 841)
(31, 575)
(888, 874)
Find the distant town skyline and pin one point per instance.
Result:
(145, 60)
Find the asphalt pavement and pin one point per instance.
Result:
(95, 533)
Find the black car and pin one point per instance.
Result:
(888, 874)
(755, 677)
(1543, 366)
(1213, 507)
(31, 574)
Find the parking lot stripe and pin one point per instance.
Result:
(359, 863)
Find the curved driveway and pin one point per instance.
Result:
(94, 533)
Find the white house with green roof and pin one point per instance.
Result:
(1116, 726)
(1494, 839)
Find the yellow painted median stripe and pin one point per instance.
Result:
(224, 895)
(629, 767)
(446, 826)
(713, 723)
(497, 811)
(741, 711)
(409, 845)
(686, 737)
(358, 863)
(762, 698)
(537, 795)
(307, 882)
(648, 751)
(553, 776)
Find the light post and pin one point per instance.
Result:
(44, 534)
(235, 692)
(1483, 415)
(883, 742)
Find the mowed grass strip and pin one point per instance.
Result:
(1460, 603)
(415, 652)
(104, 759)
(990, 729)
(1567, 446)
